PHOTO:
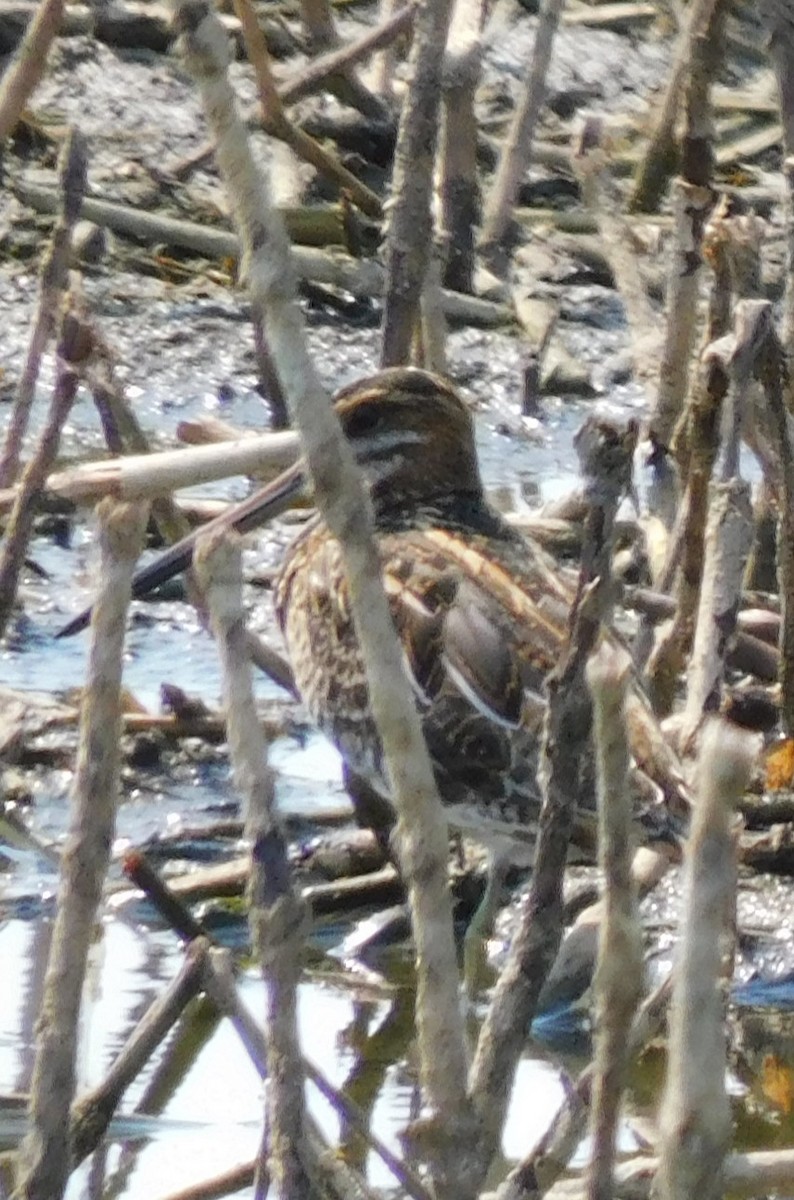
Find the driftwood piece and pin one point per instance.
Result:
(624, 15)
(361, 277)
(142, 476)
(308, 225)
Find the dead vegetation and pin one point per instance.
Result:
(716, 372)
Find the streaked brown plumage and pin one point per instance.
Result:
(479, 610)
(482, 613)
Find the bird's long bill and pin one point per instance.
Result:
(257, 510)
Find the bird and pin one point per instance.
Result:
(480, 610)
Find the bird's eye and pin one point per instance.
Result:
(362, 421)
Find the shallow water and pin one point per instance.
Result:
(212, 1120)
(354, 1026)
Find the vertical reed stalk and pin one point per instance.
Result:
(347, 511)
(410, 233)
(695, 1116)
(516, 152)
(47, 1151)
(618, 975)
(277, 913)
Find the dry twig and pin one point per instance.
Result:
(74, 345)
(422, 829)
(22, 76)
(695, 1116)
(659, 161)
(278, 124)
(52, 281)
(517, 150)
(276, 913)
(606, 460)
(410, 229)
(618, 976)
(47, 1149)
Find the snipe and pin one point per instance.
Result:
(481, 612)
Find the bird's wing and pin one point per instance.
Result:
(459, 635)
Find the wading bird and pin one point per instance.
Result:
(481, 611)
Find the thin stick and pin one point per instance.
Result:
(220, 987)
(277, 914)
(695, 1116)
(618, 975)
(142, 874)
(46, 1151)
(344, 83)
(224, 1184)
(517, 150)
(93, 1111)
(52, 282)
(111, 401)
(22, 76)
(691, 203)
(606, 459)
(142, 476)
(727, 539)
(346, 508)
(589, 160)
(788, 298)
(278, 124)
(659, 161)
(670, 654)
(74, 344)
(536, 1175)
(410, 231)
(310, 77)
